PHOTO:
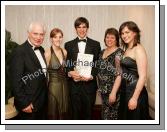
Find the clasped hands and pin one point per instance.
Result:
(76, 77)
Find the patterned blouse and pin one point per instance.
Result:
(108, 70)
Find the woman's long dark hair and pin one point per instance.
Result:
(133, 27)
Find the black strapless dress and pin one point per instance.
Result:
(129, 80)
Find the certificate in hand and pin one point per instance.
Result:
(84, 64)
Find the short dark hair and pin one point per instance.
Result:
(132, 26)
(81, 20)
(114, 32)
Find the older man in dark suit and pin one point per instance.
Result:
(83, 89)
(28, 75)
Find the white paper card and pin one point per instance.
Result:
(84, 64)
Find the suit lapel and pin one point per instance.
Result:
(88, 47)
(42, 53)
(32, 55)
(75, 46)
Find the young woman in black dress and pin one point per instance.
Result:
(134, 97)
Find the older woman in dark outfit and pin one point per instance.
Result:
(109, 78)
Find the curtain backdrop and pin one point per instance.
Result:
(101, 17)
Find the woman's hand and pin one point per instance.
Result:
(112, 98)
(132, 104)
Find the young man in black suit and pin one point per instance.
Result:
(28, 75)
(83, 89)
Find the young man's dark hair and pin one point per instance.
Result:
(81, 20)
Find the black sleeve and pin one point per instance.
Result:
(17, 78)
(96, 57)
(69, 62)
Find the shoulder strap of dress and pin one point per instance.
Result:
(51, 49)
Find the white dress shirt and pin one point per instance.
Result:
(81, 46)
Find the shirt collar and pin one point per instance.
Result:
(31, 44)
(82, 38)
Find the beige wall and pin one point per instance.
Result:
(17, 19)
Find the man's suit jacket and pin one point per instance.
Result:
(28, 81)
(92, 47)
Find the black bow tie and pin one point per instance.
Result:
(38, 48)
(82, 40)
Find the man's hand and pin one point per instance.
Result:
(28, 109)
(75, 75)
(86, 78)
